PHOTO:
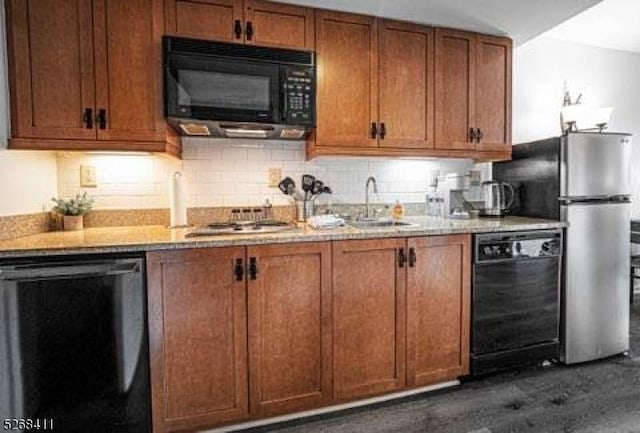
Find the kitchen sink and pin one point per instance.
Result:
(380, 224)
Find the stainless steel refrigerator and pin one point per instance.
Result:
(582, 178)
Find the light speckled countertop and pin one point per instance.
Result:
(148, 238)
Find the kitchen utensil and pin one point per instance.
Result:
(495, 198)
(327, 190)
(287, 185)
(318, 187)
(307, 184)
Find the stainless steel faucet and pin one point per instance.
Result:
(370, 180)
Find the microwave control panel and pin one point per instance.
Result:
(298, 89)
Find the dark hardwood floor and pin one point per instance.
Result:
(602, 397)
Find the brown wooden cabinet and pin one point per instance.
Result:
(384, 72)
(406, 86)
(347, 99)
(493, 93)
(86, 75)
(197, 338)
(438, 308)
(289, 327)
(473, 92)
(256, 22)
(368, 317)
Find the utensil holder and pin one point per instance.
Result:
(305, 209)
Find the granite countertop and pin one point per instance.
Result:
(149, 238)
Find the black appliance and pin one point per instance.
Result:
(74, 345)
(238, 91)
(516, 299)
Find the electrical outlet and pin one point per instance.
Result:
(275, 175)
(88, 176)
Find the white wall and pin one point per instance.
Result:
(607, 78)
(235, 173)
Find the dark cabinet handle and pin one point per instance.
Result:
(374, 129)
(383, 130)
(237, 29)
(101, 118)
(253, 268)
(402, 258)
(479, 135)
(472, 134)
(238, 270)
(249, 30)
(87, 118)
(412, 257)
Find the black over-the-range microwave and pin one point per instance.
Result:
(238, 91)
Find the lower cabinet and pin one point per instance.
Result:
(438, 308)
(197, 338)
(241, 333)
(368, 317)
(289, 327)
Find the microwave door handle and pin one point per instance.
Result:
(284, 105)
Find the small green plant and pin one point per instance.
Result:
(79, 205)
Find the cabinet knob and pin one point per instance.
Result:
(249, 30)
(87, 118)
(479, 135)
(237, 29)
(412, 257)
(238, 270)
(402, 258)
(472, 134)
(101, 118)
(374, 129)
(253, 268)
(383, 130)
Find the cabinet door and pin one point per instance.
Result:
(493, 93)
(438, 291)
(368, 317)
(51, 68)
(347, 50)
(198, 338)
(289, 327)
(279, 25)
(205, 19)
(455, 109)
(406, 85)
(128, 35)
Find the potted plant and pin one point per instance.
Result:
(73, 210)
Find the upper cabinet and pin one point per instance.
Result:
(473, 92)
(375, 85)
(52, 71)
(347, 100)
(86, 75)
(242, 21)
(406, 86)
(389, 88)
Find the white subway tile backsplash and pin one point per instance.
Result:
(235, 173)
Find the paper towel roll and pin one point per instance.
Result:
(178, 200)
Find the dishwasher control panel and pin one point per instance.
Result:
(520, 245)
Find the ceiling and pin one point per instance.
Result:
(609, 24)
(520, 19)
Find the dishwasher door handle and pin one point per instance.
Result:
(75, 271)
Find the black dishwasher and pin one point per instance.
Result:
(516, 299)
(73, 345)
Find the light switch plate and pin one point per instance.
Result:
(88, 176)
(275, 175)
